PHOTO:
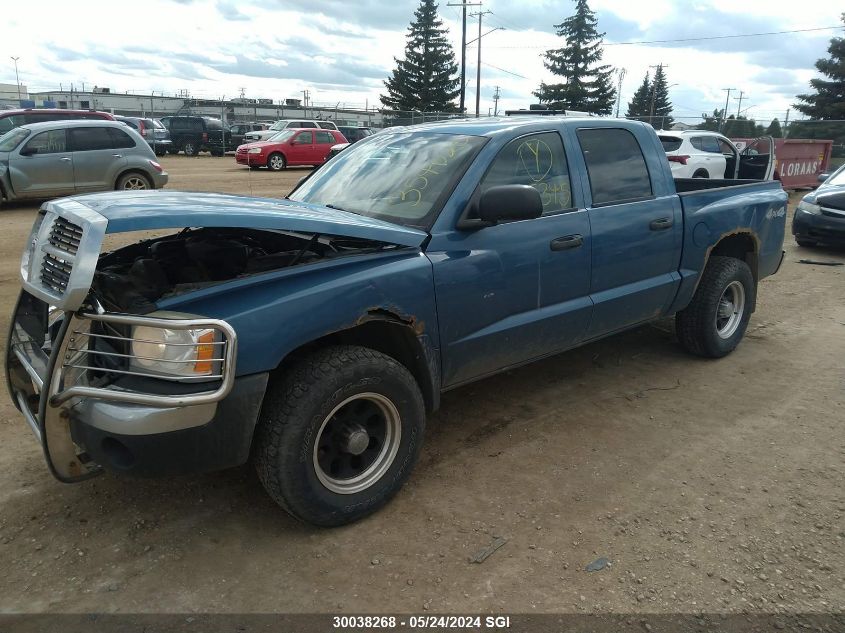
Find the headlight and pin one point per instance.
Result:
(809, 207)
(175, 352)
(254, 150)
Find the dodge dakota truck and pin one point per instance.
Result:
(312, 335)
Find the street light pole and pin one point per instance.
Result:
(17, 79)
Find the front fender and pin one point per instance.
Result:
(279, 312)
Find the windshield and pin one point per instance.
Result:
(10, 140)
(278, 125)
(837, 178)
(401, 177)
(282, 136)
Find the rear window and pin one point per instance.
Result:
(615, 164)
(10, 122)
(671, 143)
(214, 124)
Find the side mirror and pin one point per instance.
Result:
(28, 151)
(509, 202)
(823, 177)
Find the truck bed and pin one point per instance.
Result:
(687, 185)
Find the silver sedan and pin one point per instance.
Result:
(60, 158)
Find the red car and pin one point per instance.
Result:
(293, 146)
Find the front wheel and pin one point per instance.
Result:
(339, 434)
(714, 322)
(190, 148)
(276, 162)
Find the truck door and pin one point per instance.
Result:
(757, 160)
(516, 291)
(636, 226)
(43, 167)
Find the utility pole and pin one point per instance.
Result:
(480, 15)
(725, 111)
(463, 6)
(305, 95)
(654, 91)
(621, 72)
(496, 102)
(17, 79)
(739, 106)
(786, 124)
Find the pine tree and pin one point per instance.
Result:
(774, 130)
(638, 107)
(587, 83)
(828, 102)
(659, 107)
(711, 121)
(426, 80)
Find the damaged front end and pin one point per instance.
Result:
(93, 363)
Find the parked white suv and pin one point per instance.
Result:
(283, 124)
(699, 154)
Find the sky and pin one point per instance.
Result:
(342, 51)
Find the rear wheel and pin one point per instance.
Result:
(714, 322)
(339, 434)
(701, 173)
(276, 162)
(133, 181)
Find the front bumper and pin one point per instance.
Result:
(825, 227)
(255, 160)
(90, 411)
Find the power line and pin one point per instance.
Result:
(504, 71)
(696, 39)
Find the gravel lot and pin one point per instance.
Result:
(708, 485)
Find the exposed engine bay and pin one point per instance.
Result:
(133, 278)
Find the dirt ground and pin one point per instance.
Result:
(710, 486)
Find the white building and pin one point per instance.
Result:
(9, 95)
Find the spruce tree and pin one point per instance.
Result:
(426, 80)
(638, 107)
(828, 102)
(774, 130)
(659, 107)
(586, 81)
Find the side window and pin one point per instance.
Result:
(710, 144)
(695, 141)
(10, 122)
(308, 124)
(120, 139)
(537, 160)
(615, 165)
(197, 125)
(325, 137)
(52, 142)
(305, 138)
(725, 146)
(87, 139)
(327, 126)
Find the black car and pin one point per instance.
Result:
(820, 216)
(195, 134)
(354, 134)
(237, 130)
(152, 131)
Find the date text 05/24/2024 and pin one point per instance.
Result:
(421, 622)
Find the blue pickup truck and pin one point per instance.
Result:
(311, 335)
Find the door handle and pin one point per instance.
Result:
(65, 158)
(661, 224)
(566, 242)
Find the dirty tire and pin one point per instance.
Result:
(696, 324)
(190, 148)
(701, 173)
(133, 181)
(276, 162)
(805, 242)
(297, 407)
